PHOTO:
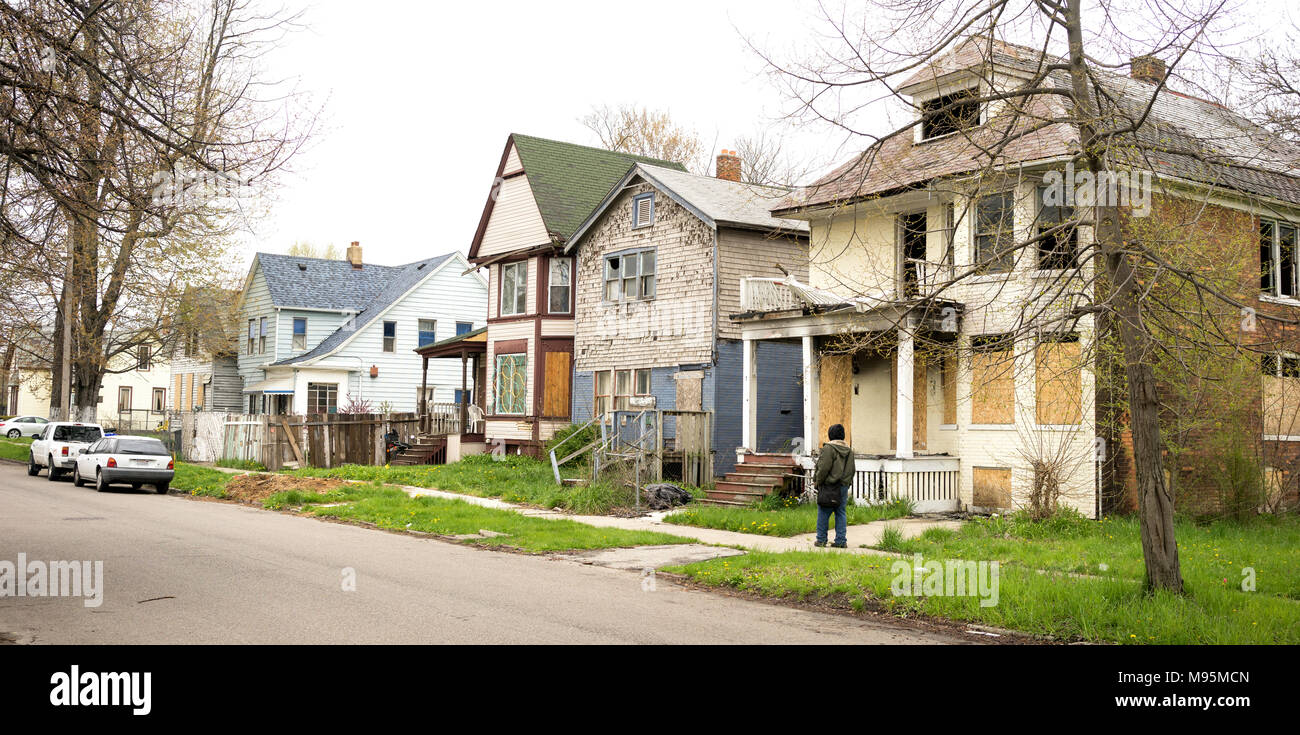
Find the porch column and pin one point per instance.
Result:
(810, 396)
(749, 394)
(903, 443)
(464, 393)
(424, 387)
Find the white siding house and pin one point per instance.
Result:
(343, 332)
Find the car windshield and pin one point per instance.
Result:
(77, 433)
(140, 446)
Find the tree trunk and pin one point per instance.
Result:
(6, 369)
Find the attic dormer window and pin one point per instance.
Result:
(643, 210)
(949, 113)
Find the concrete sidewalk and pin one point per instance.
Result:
(867, 534)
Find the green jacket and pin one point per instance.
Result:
(835, 466)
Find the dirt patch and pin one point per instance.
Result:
(256, 488)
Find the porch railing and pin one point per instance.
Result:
(932, 483)
(766, 294)
(444, 418)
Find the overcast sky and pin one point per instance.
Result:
(420, 97)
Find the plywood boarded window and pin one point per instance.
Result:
(993, 395)
(1059, 382)
(949, 379)
(920, 400)
(835, 393)
(189, 392)
(1281, 395)
(555, 388)
(176, 393)
(991, 487)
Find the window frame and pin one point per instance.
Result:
(314, 393)
(551, 286)
(951, 117)
(519, 289)
(641, 278)
(519, 373)
(420, 332)
(1069, 258)
(1275, 266)
(261, 336)
(252, 336)
(143, 359)
(614, 400)
(298, 341)
(158, 400)
(124, 390)
(389, 345)
(995, 265)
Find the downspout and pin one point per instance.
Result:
(716, 316)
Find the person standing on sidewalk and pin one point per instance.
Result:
(832, 478)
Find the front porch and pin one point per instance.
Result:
(878, 370)
(459, 426)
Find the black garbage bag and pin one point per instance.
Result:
(663, 496)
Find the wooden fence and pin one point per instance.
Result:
(325, 440)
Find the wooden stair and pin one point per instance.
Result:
(756, 476)
(424, 450)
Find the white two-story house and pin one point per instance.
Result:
(328, 336)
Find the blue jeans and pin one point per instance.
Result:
(841, 512)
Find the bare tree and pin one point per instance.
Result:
(305, 249)
(998, 110)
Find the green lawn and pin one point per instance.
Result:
(1109, 605)
(788, 521)
(16, 449)
(514, 479)
(201, 481)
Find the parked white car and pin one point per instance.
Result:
(23, 426)
(58, 445)
(125, 460)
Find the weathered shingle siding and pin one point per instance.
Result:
(743, 253)
(673, 328)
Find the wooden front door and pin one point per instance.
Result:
(557, 378)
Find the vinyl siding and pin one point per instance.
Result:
(515, 223)
(256, 304)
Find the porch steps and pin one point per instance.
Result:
(755, 477)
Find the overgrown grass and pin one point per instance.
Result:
(1211, 554)
(511, 478)
(200, 481)
(1094, 587)
(241, 464)
(788, 521)
(393, 509)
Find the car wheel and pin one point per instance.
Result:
(76, 477)
(14, 434)
(161, 488)
(100, 485)
(53, 472)
(33, 469)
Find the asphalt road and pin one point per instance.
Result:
(178, 570)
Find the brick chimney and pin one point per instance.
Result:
(1147, 69)
(354, 255)
(728, 166)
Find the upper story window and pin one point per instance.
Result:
(994, 232)
(630, 276)
(191, 343)
(560, 285)
(1277, 258)
(1281, 365)
(390, 336)
(514, 288)
(1058, 243)
(464, 328)
(300, 333)
(949, 113)
(144, 358)
(643, 210)
(261, 336)
(252, 336)
(428, 329)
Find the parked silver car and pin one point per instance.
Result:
(22, 426)
(125, 460)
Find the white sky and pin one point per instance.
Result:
(422, 95)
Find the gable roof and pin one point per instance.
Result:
(1183, 137)
(318, 283)
(567, 180)
(400, 280)
(717, 202)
